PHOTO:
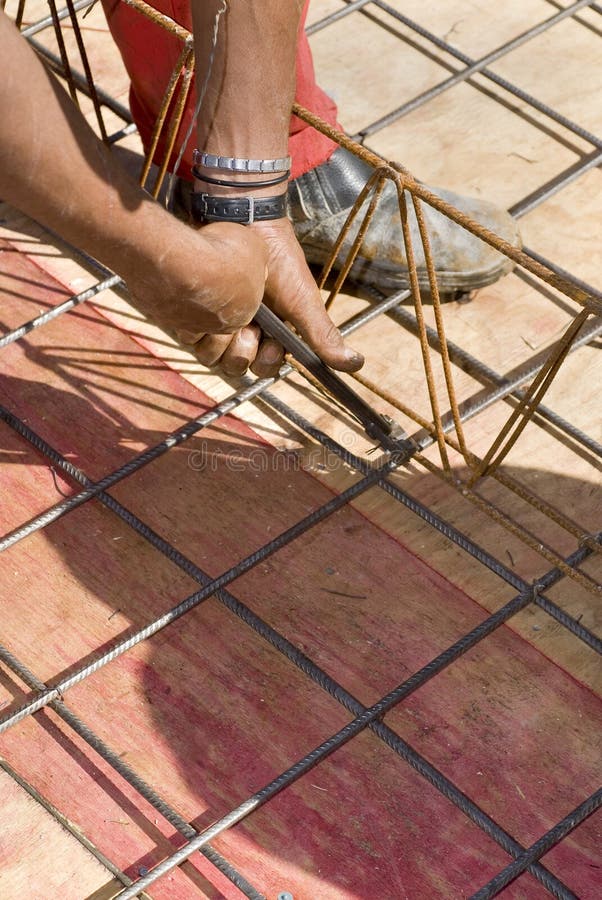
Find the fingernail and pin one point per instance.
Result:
(271, 354)
(354, 357)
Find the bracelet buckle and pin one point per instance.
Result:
(251, 217)
(243, 210)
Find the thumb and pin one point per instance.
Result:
(294, 296)
(317, 328)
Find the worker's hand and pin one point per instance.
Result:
(293, 295)
(200, 282)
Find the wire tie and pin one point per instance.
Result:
(592, 541)
(56, 483)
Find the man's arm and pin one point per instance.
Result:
(54, 168)
(246, 113)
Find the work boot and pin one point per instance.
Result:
(319, 203)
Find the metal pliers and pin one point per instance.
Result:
(383, 429)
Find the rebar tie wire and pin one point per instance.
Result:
(69, 503)
(552, 513)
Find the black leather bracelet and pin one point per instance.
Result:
(244, 210)
(240, 184)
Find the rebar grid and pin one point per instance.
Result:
(527, 408)
(364, 718)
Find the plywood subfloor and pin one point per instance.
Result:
(206, 711)
(38, 856)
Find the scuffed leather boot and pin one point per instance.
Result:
(318, 205)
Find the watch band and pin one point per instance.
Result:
(237, 164)
(244, 210)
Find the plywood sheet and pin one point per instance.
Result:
(208, 712)
(38, 857)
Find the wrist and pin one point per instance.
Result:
(243, 210)
(231, 176)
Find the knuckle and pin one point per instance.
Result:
(234, 368)
(332, 335)
(250, 335)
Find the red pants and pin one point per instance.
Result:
(150, 54)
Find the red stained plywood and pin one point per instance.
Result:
(206, 710)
